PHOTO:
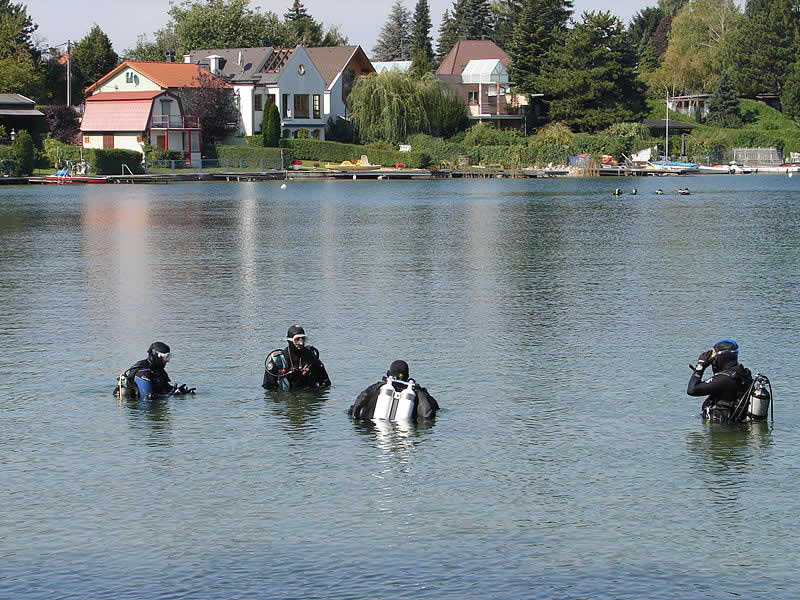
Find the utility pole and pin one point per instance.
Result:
(69, 73)
(666, 124)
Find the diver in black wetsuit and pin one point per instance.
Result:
(296, 366)
(147, 378)
(726, 387)
(425, 405)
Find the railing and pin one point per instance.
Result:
(175, 122)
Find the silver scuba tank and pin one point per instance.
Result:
(758, 403)
(394, 405)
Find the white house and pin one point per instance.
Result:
(126, 120)
(307, 84)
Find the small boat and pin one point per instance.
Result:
(67, 179)
(362, 164)
(732, 168)
(671, 166)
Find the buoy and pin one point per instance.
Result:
(633, 191)
(283, 186)
(659, 191)
(790, 173)
(354, 177)
(617, 192)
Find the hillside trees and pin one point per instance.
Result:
(697, 47)
(592, 78)
(761, 50)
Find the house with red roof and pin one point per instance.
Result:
(478, 69)
(136, 103)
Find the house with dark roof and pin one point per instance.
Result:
(18, 112)
(307, 84)
(478, 69)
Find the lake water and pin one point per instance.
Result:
(551, 320)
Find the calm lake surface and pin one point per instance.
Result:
(552, 321)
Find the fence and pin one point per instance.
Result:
(232, 164)
(756, 156)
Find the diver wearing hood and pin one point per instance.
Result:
(147, 378)
(730, 381)
(296, 366)
(395, 397)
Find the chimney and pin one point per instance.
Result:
(213, 63)
(170, 54)
(240, 58)
(187, 58)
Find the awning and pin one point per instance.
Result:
(20, 112)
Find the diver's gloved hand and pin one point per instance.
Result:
(703, 361)
(182, 389)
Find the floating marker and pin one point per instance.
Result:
(283, 186)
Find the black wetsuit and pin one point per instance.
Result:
(724, 390)
(293, 368)
(157, 376)
(425, 406)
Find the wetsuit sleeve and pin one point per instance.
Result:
(426, 404)
(718, 385)
(319, 376)
(364, 406)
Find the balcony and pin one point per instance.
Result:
(175, 122)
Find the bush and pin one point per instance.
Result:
(234, 152)
(109, 162)
(484, 134)
(63, 123)
(24, 152)
(336, 152)
(339, 130)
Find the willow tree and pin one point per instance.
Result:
(391, 106)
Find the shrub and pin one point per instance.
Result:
(484, 134)
(109, 162)
(23, 152)
(336, 152)
(63, 123)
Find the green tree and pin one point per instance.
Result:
(421, 29)
(477, 19)
(271, 127)
(790, 93)
(672, 7)
(19, 58)
(214, 105)
(640, 34)
(760, 52)
(394, 40)
(448, 36)
(420, 63)
(392, 105)
(592, 79)
(63, 123)
(92, 57)
(723, 107)
(297, 12)
(696, 47)
(23, 152)
(504, 17)
(540, 28)
(213, 24)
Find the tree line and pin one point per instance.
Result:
(587, 71)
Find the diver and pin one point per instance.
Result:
(296, 366)
(726, 387)
(148, 379)
(395, 397)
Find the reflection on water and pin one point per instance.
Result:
(552, 322)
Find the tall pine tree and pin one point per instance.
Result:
(760, 53)
(592, 79)
(421, 29)
(541, 26)
(723, 107)
(448, 36)
(394, 41)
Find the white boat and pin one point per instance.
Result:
(729, 169)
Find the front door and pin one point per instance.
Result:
(108, 142)
(161, 141)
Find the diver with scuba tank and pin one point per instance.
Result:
(396, 398)
(734, 395)
(295, 367)
(148, 379)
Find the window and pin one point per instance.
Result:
(315, 134)
(285, 105)
(473, 97)
(257, 102)
(301, 106)
(129, 77)
(315, 101)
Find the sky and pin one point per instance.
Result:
(360, 21)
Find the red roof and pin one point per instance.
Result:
(466, 50)
(104, 113)
(147, 95)
(165, 74)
